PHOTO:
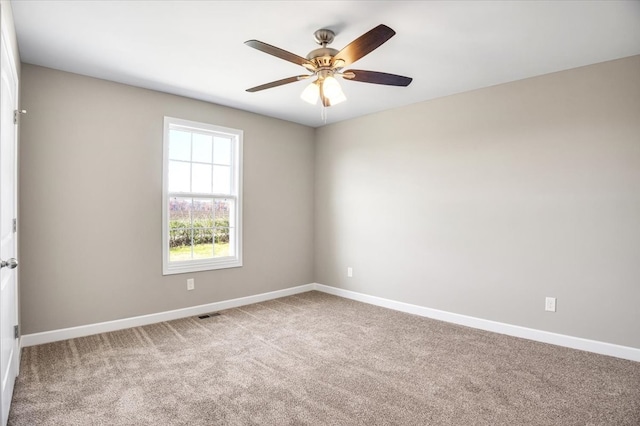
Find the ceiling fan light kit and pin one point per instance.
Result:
(326, 64)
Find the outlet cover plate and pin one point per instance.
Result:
(550, 304)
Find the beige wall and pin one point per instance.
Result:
(485, 202)
(90, 204)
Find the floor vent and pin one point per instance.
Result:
(213, 314)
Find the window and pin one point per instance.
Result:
(202, 197)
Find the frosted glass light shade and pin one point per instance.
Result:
(311, 93)
(332, 91)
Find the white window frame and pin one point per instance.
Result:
(195, 265)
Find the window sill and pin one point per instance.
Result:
(199, 266)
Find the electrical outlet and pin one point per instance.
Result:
(349, 272)
(191, 284)
(550, 304)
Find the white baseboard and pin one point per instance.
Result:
(603, 348)
(103, 327)
(595, 346)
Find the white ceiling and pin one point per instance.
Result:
(195, 48)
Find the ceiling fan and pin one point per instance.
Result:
(326, 63)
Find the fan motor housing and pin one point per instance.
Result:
(322, 57)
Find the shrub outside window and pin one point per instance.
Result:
(202, 203)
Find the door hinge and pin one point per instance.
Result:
(16, 113)
(16, 331)
(15, 225)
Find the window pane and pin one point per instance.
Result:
(231, 212)
(222, 150)
(179, 145)
(202, 147)
(232, 241)
(180, 231)
(179, 172)
(178, 250)
(202, 213)
(222, 227)
(222, 209)
(221, 180)
(202, 243)
(201, 181)
(222, 242)
(203, 232)
(180, 210)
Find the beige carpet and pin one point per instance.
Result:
(318, 359)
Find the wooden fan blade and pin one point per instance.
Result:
(279, 53)
(377, 78)
(278, 83)
(363, 45)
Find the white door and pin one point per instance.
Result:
(8, 274)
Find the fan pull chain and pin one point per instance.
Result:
(323, 114)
